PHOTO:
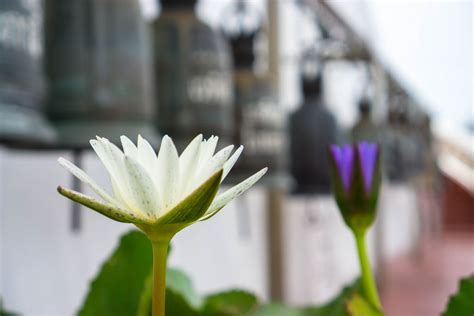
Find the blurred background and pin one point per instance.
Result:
(282, 77)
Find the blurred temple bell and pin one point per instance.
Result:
(365, 128)
(194, 75)
(312, 128)
(398, 148)
(21, 79)
(259, 122)
(98, 63)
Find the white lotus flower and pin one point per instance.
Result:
(161, 194)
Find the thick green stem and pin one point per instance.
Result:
(368, 283)
(160, 251)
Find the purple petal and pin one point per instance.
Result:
(344, 157)
(368, 156)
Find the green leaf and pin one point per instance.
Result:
(462, 303)
(195, 205)
(335, 307)
(124, 284)
(359, 306)
(119, 285)
(177, 305)
(230, 303)
(4, 312)
(181, 299)
(180, 283)
(144, 303)
(276, 309)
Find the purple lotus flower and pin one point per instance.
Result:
(356, 180)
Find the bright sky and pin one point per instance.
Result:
(428, 44)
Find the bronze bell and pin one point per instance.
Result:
(21, 78)
(194, 77)
(259, 122)
(399, 148)
(98, 64)
(365, 128)
(312, 128)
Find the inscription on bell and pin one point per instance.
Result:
(14, 30)
(262, 142)
(262, 126)
(20, 30)
(211, 88)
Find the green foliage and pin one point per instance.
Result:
(144, 304)
(180, 295)
(336, 307)
(4, 312)
(124, 287)
(462, 303)
(276, 309)
(357, 305)
(176, 305)
(180, 283)
(231, 303)
(119, 285)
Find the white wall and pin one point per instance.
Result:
(321, 253)
(42, 259)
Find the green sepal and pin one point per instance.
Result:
(106, 209)
(195, 204)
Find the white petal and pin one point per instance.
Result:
(114, 161)
(129, 147)
(119, 196)
(104, 157)
(167, 172)
(207, 151)
(216, 163)
(146, 156)
(111, 156)
(188, 162)
(231, 162)
(142, 188)
(84, 177)
(224, 198)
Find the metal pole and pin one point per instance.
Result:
(76, 185)
(275, 194)
(276, 251)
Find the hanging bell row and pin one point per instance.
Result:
(97, 60)
(260, 124)
(105, 71)
(21, 79)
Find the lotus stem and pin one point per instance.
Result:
(368, 283)
(160, 252)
